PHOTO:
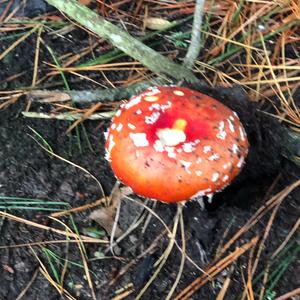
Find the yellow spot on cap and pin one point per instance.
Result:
(151, 98)
(178, 93)
(179, 124)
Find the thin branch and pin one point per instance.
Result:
(67, 116)
(96, 95)
(122, 40)
(195, 44)
(289, 295)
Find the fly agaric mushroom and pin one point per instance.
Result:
(174, 144)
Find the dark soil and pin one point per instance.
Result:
(27, 171)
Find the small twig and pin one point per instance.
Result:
(264, 282)
(115, 226)
(84, 207)
(123, 295)
(85, 116)
(51, 242)
(137, 221)
(83, 255)
(96, 95)
(168, 230)
(195, 45)
(289, 295)
(164, 257)
(153, 60)
(287, 238)
(224, 289)
(43, 270)
(17, 42)
(133, 262)
(21, 295)
(67, 116)
(183, 255)
(215, 270)
(275, 200)
(260, 249)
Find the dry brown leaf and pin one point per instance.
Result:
(105, 216)
(156, 23)
(48, 96)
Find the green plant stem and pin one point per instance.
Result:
(122, 40)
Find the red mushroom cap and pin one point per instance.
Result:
(173, 144)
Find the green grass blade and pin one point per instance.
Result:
(49, 258)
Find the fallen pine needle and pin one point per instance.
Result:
(49, 229)
(289, 295)
(214, 270)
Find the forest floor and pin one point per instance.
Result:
(243, 245)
